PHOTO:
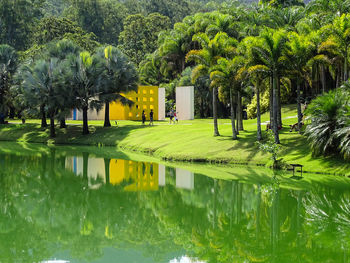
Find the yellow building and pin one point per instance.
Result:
(146, 98)
(140, 176)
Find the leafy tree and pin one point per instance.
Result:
(176, 10)
(53, 29)
(17, 18)
(121, 77)
(140, 35)
(8, 66)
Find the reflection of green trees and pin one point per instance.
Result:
(45, 208)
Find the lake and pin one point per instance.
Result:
(85, 204)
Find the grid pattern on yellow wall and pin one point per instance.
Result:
(146, 98)
(140, 176)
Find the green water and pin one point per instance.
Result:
(74, 206)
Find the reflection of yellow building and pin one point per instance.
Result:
(141, 176)
(145, 99)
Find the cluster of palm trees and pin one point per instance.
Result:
(297, 48)
(63, 78)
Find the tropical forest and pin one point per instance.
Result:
(184, 131)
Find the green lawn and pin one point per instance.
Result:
(186, 141)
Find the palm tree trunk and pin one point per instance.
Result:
(52, 127)
(323, 73)
(275, 108)
(271, 102)
(86, 166)
(107, 170)
(299, 106)
(85, 121)
(234, 134)
(63, 124)
(346, 68)
(278, 100)
(43, 116)
(258, 114)
(107, 121)
(215, 113)
(239, 112)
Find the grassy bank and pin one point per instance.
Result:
(186, 141)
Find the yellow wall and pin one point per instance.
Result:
(141, 176)
(145, 99)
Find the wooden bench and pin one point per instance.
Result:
(296, 166)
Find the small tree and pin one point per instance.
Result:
(272, 148)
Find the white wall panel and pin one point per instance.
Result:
(185, 103)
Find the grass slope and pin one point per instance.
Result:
(186, 141)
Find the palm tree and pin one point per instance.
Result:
(224, 76)
(85, 77)
(299, 52)
(8, 65)
(174, 47)
(268, 53)
(61, 50)
(121, 76)
(338, 42)
(42, 85)
(206, 58)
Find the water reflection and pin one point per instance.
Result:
(88, 209)
(135, 176)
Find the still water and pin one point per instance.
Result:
(62, 206)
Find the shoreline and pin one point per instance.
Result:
(188, 143)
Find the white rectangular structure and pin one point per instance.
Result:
(185, 103)
(161, 104)
(161, 175)
(184, 179)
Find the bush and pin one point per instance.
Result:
(264, 105)
(329, 131)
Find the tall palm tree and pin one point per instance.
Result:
(268, 53)
(121, 76)
(85, 77)
(206, 58)
(224, 76)
(299, 52)
(8, 65)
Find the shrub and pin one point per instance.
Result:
(329, 130)
(264, 105)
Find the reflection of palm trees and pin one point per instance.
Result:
(107, 172)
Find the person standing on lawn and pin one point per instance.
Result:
(151, 118)
(143, 117)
